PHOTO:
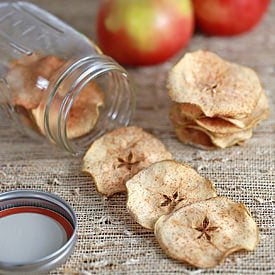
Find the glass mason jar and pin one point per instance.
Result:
(55, 82)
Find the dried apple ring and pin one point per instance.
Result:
(118, 155)
(216, 86)
(260, 112)
(162, 188)
(85, 111)
(195, 137)
(204, 233)
(23, 77)
(190, 111)
(202, 138)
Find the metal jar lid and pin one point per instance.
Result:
(37, 231)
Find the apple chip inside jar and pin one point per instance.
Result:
(118, 155)
(25, 77)
(82, 115)
(204, 233)
(85, 111)
(30, 76)
(164, 187)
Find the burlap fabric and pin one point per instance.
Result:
(109, 241)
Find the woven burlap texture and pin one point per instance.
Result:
(109, 240)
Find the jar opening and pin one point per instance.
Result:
(93, 97)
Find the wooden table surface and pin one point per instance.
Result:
(245, 174)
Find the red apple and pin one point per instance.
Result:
(228, 17)
(144, 32)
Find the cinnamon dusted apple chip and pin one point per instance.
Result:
(83, 114)
(118, 155)
(204, 233)
(196, 135)
(224, 140)
(24, 78)
(177, 118)
(260, 112)
(190, 111)
(216, 86)
(85, 111)
(164, 187)
(222, 125)
(215, 125)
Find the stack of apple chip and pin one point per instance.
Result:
(216, 103)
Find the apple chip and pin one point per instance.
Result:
(217, 87)
(223, 140)
(214, 125)
(190, 111)
(164, 187)
(217, 125)
(204, 233)
(177, 118)
(196, 135)
(85, 111)
(25, 77)
(83, 114)
(118, 155)
(260, 112)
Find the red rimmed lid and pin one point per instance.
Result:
(31, 233)
(37, 231)
(66, 225)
